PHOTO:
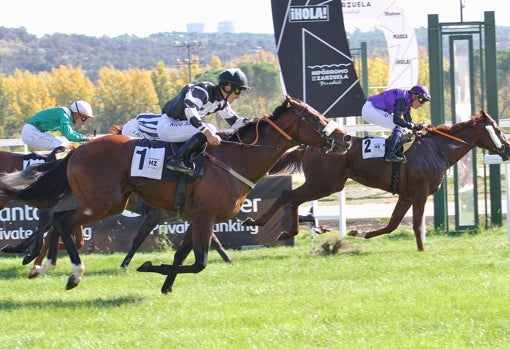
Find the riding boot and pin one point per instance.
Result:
(392, 145)
(178, 161)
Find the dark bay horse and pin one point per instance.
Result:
(428, 159)
(10, 162)
(98, 174)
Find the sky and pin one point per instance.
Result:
(142, 18)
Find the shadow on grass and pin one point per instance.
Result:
(12, 305)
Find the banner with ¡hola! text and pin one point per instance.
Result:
(315, 60)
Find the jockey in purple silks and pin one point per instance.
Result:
(386, 110)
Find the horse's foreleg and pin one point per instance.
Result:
(396, 217)
(152, 218)
(418, 211)
(200, 233)
(221, 250)
(283, 199)
(180, 255)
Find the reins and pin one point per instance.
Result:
(233, 172)
(444, 134)
(270, 122)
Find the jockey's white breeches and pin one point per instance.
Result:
(131, 129)
(176, 131)
(32, 137)
(376, 116)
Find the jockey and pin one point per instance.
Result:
(191, 104)
(60, 119)
(387, 108)
(145, 125)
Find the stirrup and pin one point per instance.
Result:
(395, 158)
(179, 166)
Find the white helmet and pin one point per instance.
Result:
(82, 107)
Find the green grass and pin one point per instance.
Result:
(378, 293)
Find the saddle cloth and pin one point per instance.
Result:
(149, 158)
(375, 147)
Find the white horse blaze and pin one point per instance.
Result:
(494, 138)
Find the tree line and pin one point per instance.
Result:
(119, 94)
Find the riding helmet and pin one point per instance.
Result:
(421, 91)
(235, 77)
(82, 108)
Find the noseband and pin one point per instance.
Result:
(328, 143)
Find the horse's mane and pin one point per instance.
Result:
(461, 125)
(232, 135)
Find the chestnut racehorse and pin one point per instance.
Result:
(98, 174)
(428, 159)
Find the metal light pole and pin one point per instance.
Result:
(189, 45)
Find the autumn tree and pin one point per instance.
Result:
(28, 94)
(68, 84)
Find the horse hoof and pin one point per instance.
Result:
(33, 273)
(145, 267)
(353, 232)
(166, 290)
(72, 282)
(248, 222)
(125, 263)
(27, 259)
(284, 236)
(7, 249)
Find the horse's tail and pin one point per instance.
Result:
(115, 129)
(290, 161)
(38, 183)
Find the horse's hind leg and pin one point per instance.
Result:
(42, 226)
(21, 247)
(152, 218)
(62, 222)
(45, 217)
(51, 245)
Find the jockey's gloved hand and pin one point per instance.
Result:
(240, 123)
(417, 127)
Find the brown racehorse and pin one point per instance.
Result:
(428, 159)
(98, 174)
(152, 217)
(10, 162)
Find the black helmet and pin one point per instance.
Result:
(421, 91)
(234, 77)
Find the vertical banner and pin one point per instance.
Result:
(400, 37)
(315, 60)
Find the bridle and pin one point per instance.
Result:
(328, 143)
(498, 145)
